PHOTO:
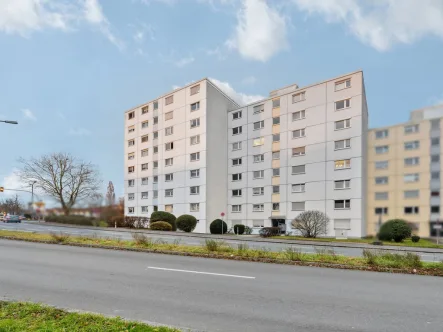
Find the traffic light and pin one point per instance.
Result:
(2, 189)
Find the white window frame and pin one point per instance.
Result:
(236, 192)
(236, 208)
(301, 133)
(145, 181)
(195, 106)
(144, 194)
(300, 153)
(131, 155)
(342, 184)
(144, 152)
(194, 140)
(238, 175)
(261, 174)
(258, 191)
(304, 169)
(346, 204)
(298, 209)
(259, 158)
(258, 141)
(194, 190)
(258, 207)
(237, 130)
(415, 177)
(131, 129)
(300, 186)
(236, 115)
(346, 104)
(169, 100)
(298, 97)
(194, 207)
(301, 115)
(343, 84)
(169, 131)
(145, 166)
(411, 161)
(145, 124)
(411, 129)
(259, 125)
(258, 109)
(236, 146)
(194, 156)
(131, 196)
(145, 209)
(346, 164)
(131, 183)
(169, 115)
(169, 177)
(346, 144)
(236, 161)
(194, 123)
(169, 146)
(196, 172)
(169, 162)
(145, 138)
(131, 142)
(169, 192)
(346, 124)
(131, 209)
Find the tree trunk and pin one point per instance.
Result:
(66, 210)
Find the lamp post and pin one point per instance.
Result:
(10, 122)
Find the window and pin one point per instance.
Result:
(169, 146)
(435, 209)
(258, 141)
(155, 119)
(435, 175)
(276, 155)
(144, 195)
(195, 123)
(131, 197)
(144, 181)
(275, 172)
(145, 124)
(435, 141)
(236, 115)
(381, 210)
(298, 133)
(195, 139)
(236, 146)
(414, 177)
(413, 145)
(258, 109)
(298, 97)
(144, 152)
(195, 156)
(384, 164)
(298, 188)
(145, 109)
(236, 208)
(155, 149)
(236, 162)
(131, 155)
(435, 193)
(342, 144)
(275, 120)
(131, 142)
(300, 169)
(258, 174)
(381, 180)
(276, 189)
(435, 158)
(131, 169)
(342, 124)
(155, 105)
(379, 134)
(195, 89)
(131, 129)
(342, 184)
(236, 130)
(298, 206)
(343, 84)
(343, 164)
(131, 183)
(194, 173)
(342, 104)
(169, 100)
(258, 223)
(381, 149)
(236, 177)
(258, 191)
(169, 192)
(259, 124)
(258, 207)
(131, 115)
(411, 210)
(169, 161)
(155, 179)
(194, 207)
(411, 129)
(435, 124)
(155, 164)
(258, 158)
(276, 137)
(194, 190)
(144, 209)
(276, 103)
(300, 151)
(169, 177)
(412, 161)
(155, 134)
(298, 115)
(169, 115)
(145, 138)
(342, 204)
(155, 207)
(411, 193)
(195, 106)
(169, 208)
(131, 210)
(236, 192)
(380, 196)
(144, 166)
(169, 131)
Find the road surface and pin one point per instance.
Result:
(170, 237)
(219, 295)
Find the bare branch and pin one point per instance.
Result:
(311, 223)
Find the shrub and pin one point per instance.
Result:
(135, 222)
(239, 229)
(269, 231)
(117, 220)
(141, 239)
(213, 245)
(164, 216)
(218, 226)
(73, 220)
(161, 226)
(415, 238)
(248, 230)
(186, 223)
(311, 223)
(27, 216)
(395, 229)
(60, 237)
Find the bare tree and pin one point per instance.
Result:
(311, 223)
(11, 205)
(110, 194)
(62, 177)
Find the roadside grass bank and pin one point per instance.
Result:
(20, 316)
(372, 260)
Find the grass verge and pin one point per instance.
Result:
(19, 316)
(378, 261)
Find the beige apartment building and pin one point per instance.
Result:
(404, 172)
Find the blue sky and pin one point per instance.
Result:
(69, 69)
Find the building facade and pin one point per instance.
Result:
(404, 170)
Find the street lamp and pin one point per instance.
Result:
(10, 122)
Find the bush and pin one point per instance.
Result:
(164, 216)
(311, 223)
(27, 216)
(135, 222)
(395, 229)
(239, 229)
(248, 230)
(269, 231)
(415, 238)
(216, 227)
(160, 226)
(186, 223)
(117, 220)
(72, 220)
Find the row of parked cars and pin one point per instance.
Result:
(11, 218)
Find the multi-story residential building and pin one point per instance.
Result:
(301, 149)
(404, 172)
(176, 152)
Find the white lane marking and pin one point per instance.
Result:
(198, 272)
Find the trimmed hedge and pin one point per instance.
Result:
(415, 238)
(164, 216)
(73, 220)
(269, 231)
(186, 223)
(239, 229)
(395, 229)
(160, 226)
(216, 227)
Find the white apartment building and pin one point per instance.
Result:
(301, 149)
(176, 152)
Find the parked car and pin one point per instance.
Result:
(22, 217)
(13, 218)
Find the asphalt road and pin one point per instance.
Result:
(170, 237)
(219, 295)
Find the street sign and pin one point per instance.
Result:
(222, 214)
(438, 226)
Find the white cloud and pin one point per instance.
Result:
(260, 31)
(240, 98)
(382, 23)
(249, 80)
(184, 61)
(27, 113)
(79, 132)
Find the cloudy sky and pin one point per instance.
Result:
(70, 68)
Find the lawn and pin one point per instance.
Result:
(19, 317)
